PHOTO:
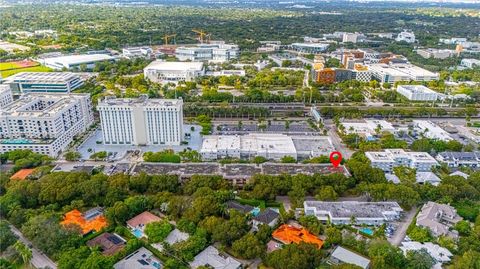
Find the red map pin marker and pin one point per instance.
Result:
(335, 158)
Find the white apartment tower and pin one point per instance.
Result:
(6, 96)
(141, 121)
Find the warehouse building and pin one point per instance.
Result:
(417, 93)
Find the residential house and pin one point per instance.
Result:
(90, 221)
(213, 258)
(288, 234)
(439, 254)
(438, 218)
(137, 224)
(342, 255)
(108, 243)
(140, 259)
(267, 217)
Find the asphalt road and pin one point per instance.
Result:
(39, 260)
(401, 230)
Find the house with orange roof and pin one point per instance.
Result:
(92, 220)
(138, 223)
(22, 174)
(288, 234)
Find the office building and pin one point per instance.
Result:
(141, 121)
(332, 75)
(137, 52)
(270, 146)
(431, 130)
(417, 93)
(44, 123)
(438, 218)
(6, 96)
(164, 72)
(406, 36)
(394, 72)
(53, 82)
(219, 52)
(309, 47)
(453, 40)
(460, 159)
(470, 63)
(338, 213)
(353, 37)
(75, 62)
(391, 158)
(435, 53)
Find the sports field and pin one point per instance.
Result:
(10, 68)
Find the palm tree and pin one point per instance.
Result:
(24, 252)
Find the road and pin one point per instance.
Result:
(401, 230)
(39, 260)
(337, 142)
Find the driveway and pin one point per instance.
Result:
(401, 230)
(39, 260)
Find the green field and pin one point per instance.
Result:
(8, 65)
(11, 72)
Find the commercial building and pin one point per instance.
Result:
(141, 121)
(211, 257)
(77, 62)
(219, 52)
(353, 37)
(395, 72)
(44, 123)
(368, 213)
(470, 63)
(312, 146)
(453, 40)
(417, 93)
(164, 72)
(137, 52)
(309, 47)
(141, 258)
(342, 255)
(435, 53)
(6, 96)
(368, 128)
(406, 36)
(391, 158)
(439, 254)
(460, 159)
(438, 218)
(431, 130)
(54, 82)
(332, 75)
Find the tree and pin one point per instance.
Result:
(288, 159)
(385, 255)
(334, 235)
(419, 259)
(248, 247)
(298, 256)
(312, 224)
(72, 156)
(24, 251)
(326, 193)
(101, 155)
(469, 260)
(7, 237)
(420, 234)
(158, 231)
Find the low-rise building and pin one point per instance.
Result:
(406, 36)
(431, 130)
(342, 255)
(175, 236)
(137, 52)
(417, 93)
(109, 243)
(165, 72)
(44, 123)
(47, 82)
(453, 40)
(137, 224)
(460, 159)
(139, 259)
(391, 158)
(6, 96)
(288, 234)
(267, 217)
(427, 177)
(369, 213)
(395, 72)
(309, 47)
(353, 37)
(470, 63)
(211, 257)
(435, 53)
(218, 52)
(439, 254)
(91, 220)
(438, 218)
(75, 62)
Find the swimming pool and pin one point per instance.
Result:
(367, 231)
(138, 233)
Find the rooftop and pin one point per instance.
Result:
(92, 220)
(140, 259)
(437, 217)
(142, 219)
(416, 89)
(213, 258)
(22, 174)
(347, 209)
(437, 252)
(108, 243)
(346, 256)
(267, 216)
(78, 59)
(33, 77)
(288, 234)
(175, 66)
(142, 101)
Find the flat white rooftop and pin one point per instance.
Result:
(33, 77)
(142, 101)
(78, 59)
(416, 89)
(174, 66)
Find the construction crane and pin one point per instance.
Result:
(201, 35)
(166, 37)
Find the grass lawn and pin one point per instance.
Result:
(39, 68)
(8, 65)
